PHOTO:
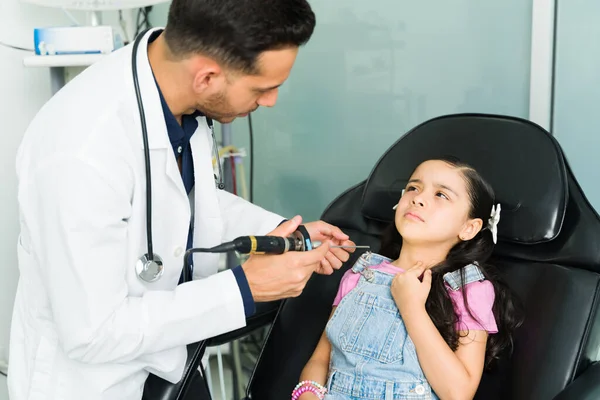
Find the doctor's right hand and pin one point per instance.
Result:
(275, 277)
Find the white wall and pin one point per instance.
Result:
(22, 92)
(577, 91)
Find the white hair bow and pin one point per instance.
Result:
(493, 222)
(396, 206)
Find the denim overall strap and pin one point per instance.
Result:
(472, 274)
(367, 260)
(372, 356)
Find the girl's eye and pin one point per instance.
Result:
(442, 195)
(410, 188)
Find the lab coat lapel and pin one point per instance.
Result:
(208, 223)
(158, 137)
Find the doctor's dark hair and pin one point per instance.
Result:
(506, 309)
(235, 32)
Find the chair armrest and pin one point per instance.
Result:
(158, 389)
(264, 315)
(585, 387)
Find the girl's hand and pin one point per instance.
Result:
(409, 290)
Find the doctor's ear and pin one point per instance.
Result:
(207, 75)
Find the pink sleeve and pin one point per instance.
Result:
(480, 298)
(349, 282)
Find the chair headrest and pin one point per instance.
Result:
(523, 163)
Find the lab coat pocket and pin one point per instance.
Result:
(41, 377)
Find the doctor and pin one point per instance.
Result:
(85, 326)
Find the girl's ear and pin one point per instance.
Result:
(470, 229)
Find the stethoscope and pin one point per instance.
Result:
(149, 267)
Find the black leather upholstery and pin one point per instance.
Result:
(548, 252)
(585, 387)
(533, 190)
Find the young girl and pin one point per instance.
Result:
(424, 317)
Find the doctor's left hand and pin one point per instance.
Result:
(322, 231)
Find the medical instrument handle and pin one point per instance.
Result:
(246, 245)
(260, 245)
(298, 241)
(265, 244)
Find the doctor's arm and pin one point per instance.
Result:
(78, 218)
(243, 218)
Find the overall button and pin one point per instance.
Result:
(178, 251)
(368, 274)
(179, 149)
(420, 389)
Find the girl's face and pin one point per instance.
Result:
(435, 206)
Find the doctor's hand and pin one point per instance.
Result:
(324, 232)
(275, 277)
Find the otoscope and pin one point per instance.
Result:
(298, 241)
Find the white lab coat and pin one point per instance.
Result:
(84, 325)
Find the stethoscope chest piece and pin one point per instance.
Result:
(149, 270)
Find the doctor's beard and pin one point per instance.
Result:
(218, 107)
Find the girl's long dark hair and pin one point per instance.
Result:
(506, 309)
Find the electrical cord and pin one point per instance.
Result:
(251, 134)
(233, 152)
(187, 270)
(233, 174)
(138, 24)
(123, 24)
(10, 46)
(71, 17)
(143, 19)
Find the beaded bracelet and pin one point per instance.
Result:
(309, 386)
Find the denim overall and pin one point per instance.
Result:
(372, 356)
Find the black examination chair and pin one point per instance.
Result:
(548, 251)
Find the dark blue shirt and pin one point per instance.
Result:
(179, 136)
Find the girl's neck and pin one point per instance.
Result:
(410, 255)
